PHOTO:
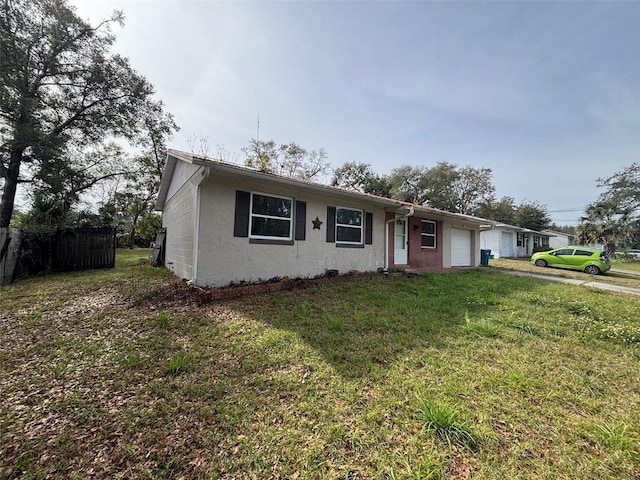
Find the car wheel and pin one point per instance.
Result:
(541, 263)
(592, 270)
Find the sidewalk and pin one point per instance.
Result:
(584, 283)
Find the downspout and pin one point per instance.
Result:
(196, 240)
(486, 228)
(204, 174)
(386, 235)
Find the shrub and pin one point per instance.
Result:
(542, 248)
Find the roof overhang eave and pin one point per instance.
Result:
(165, 181)
(388, 203)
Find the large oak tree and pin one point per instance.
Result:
(444, 186)
(361, 177)
(61, 89)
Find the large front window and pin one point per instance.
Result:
(271, 217)
(348, 226)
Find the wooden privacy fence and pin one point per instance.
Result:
(84, 249)
(62, 250)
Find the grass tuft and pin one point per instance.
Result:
(176, 364)
(480, 328)
(445, 420)
(162, 321)
(335, 323)
(617, 436)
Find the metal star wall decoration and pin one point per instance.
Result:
(316, 223)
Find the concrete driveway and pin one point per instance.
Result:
(584, 283)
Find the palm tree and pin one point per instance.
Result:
(605, 222)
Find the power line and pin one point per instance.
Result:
(568, 210)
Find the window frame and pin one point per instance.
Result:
(361, 227)
(428, 235)
(290, 219)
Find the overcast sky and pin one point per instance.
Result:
(547, 95)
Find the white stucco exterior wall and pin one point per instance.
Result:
(179, 216)
(223, 258)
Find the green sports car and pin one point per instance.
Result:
(585, 259)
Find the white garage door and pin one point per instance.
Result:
(506, 244)
(460, 248)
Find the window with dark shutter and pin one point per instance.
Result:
(241, 220)
(271, 217)
(349, 226)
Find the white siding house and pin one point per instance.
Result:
(510, 241)
(500, 240)
(227, 223)
(559, 239)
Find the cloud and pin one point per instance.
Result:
(539, 92)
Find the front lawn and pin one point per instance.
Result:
(122, 374)
(614, 276)
(633, 264)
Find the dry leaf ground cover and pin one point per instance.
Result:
(123, 374)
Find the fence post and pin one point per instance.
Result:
(9, 252)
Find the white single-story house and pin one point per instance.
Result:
(559, 239)
(510, 241)
(227, 223)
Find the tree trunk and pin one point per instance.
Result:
(132, 237)
(10, 187)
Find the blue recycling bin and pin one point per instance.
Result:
(484, 257)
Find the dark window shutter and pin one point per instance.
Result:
(368, 228)
(331, 224)
(241, 221)
(301, 220)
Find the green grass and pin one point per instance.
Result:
(480, 328)
(611, 277)
(445, 420)
(629, 263)
(123, 374)
(176, 364)
(617, 437)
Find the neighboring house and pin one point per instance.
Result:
(559, 239)
(510, 241)
(228, 223)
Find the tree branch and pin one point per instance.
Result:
(93, 181)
